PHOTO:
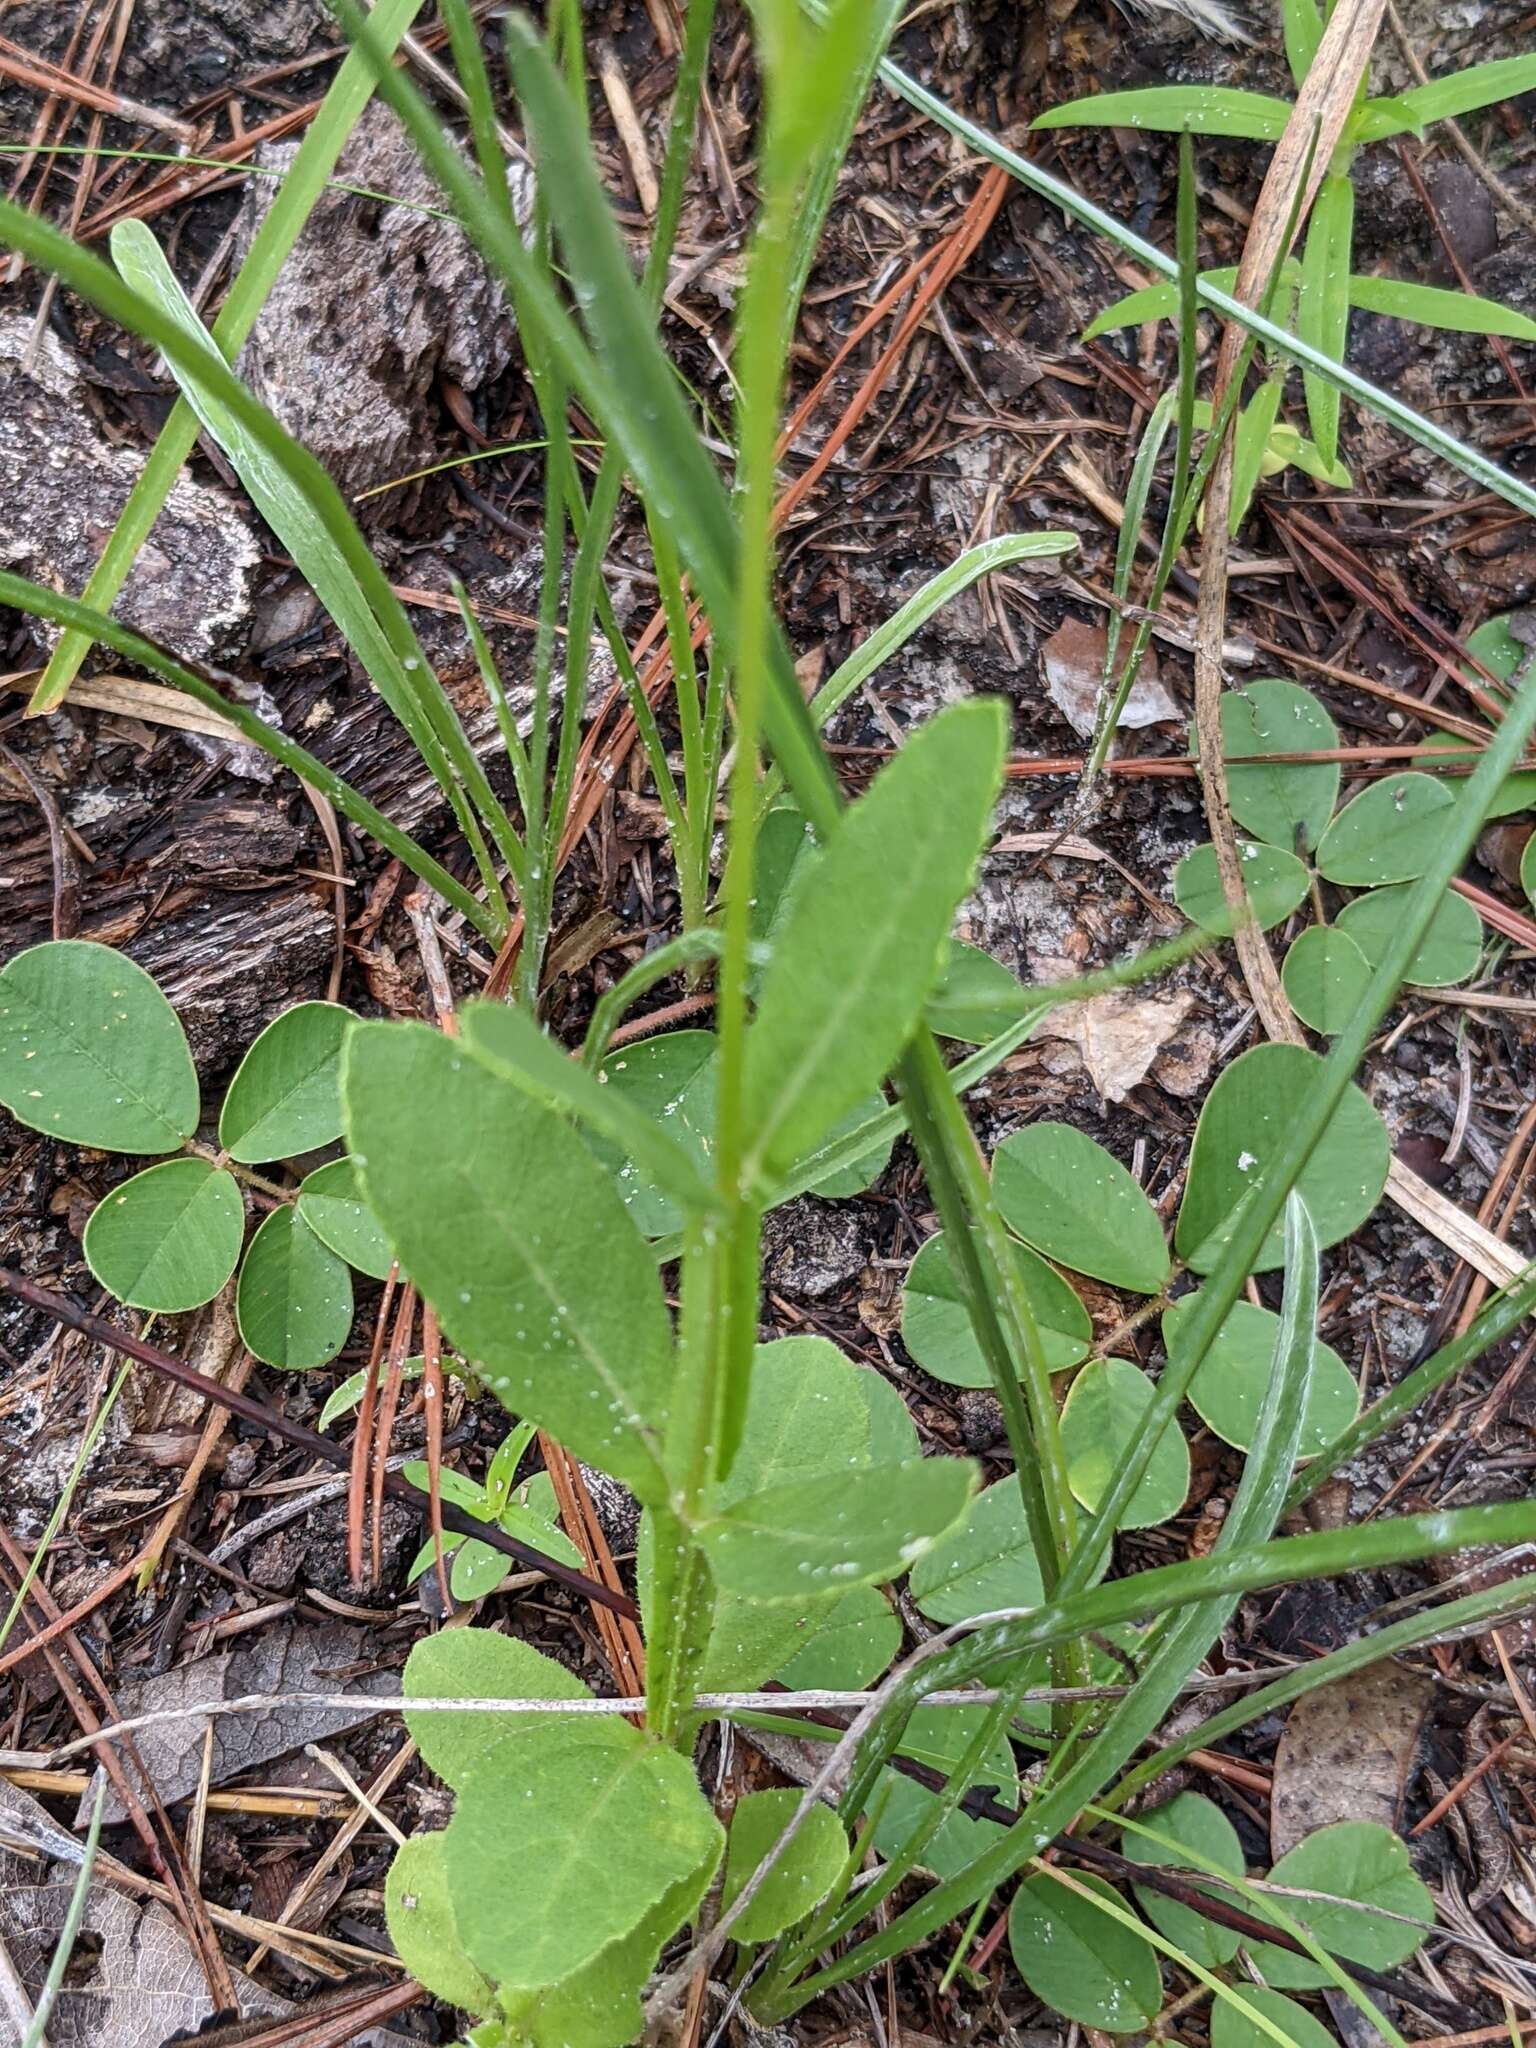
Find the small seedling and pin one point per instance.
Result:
(529, 1512)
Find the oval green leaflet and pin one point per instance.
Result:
(1365, 1890)
(987, 1563)
(1285, 803)
(1101, 1420)
(1449, 951)
(802, 1876)
(936, 1328)
(1245, 1114)
(1079, 1960)
(1386, 833)
(285, 1096)
(1324, 975)
(91, 1051)
(1189, 1818)
(1075, 1202)
(331, 1203)
(1274, 884)
(1227, 1392)
(293, 1301)
(167, 1239)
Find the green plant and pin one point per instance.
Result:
(529, 1195)
(1382, 840)
(1315, 293)
(528, 1512)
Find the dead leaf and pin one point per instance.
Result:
(1346, 1753)
(280, 1663)
(1119, 1035)
(134, 1980)
(1072, 663)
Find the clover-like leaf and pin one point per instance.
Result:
(847, 1647)
(1188, 1818)
(1231, 2028)
(1072, 1200)
(91, 1051)
(1102, 1421)
(988, 1562)
(672, 1079)
(293, 1301)
(1078, 1960)
(1274, 883)
(1325, 975)
(1448, 952)
(977, 996)
(1285, 803)
(285, 1096)
(799, 1880)
(421, 1926)
(615, 1826)
(854, 958)
(516, 1235)
(331, 1203)
(1246, 1117)
(168, 1239)
(936, 1328)
(939, 1737)
(1227, 1392)
(819, 1535)
(1365, 1888)
(1387, 833)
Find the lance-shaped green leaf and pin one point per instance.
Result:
(168, 1239)
(1303, 30)
(1387, 833)
(1072, 1200)
(1245, 1119)
(1448, 952)
(421, 1926)
(936, 1326)
(1285, 803)
(514, 1232)
(1444, 99)
(1252, 454)
(819, 1535)
(1104, 1416)
(856, 956)
(1153, 302)
(285, 1096)
(1274, 884)
(802, 1876)
(1322, 305)
(1078, 1960)
(547, 1868)
(1202, 109)
(91, 1052)
(513, 1046)
(294, 1298)
(331, 1203)
(1325, 976)
(1431, 305)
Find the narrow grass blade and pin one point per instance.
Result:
(1322, 304)
(305, 180)
(69, 1933)
(1471, 462)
